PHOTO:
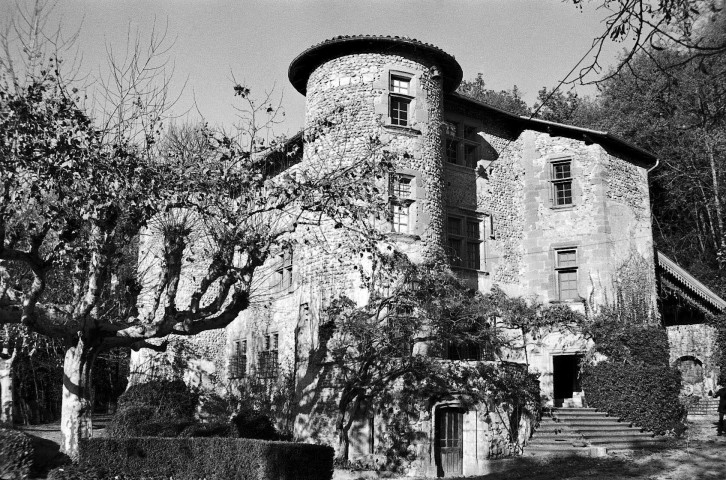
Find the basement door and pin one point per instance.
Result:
(449, 442)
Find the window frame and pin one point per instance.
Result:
(455, 133)
(400, 98)
(284, 271)
(569, 268)
(401, 206)
(238, 360)
(466, 241)
(564, 182)
(268, 361)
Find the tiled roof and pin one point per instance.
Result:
(690, 283)
(303, 65)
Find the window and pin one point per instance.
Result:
(462, 144)
(561, 177)
(469, 351)
(267, 364)
(283, 272)
(400, 333)
(238, 361)
(400, 100)
(465, 241)
(400, 189)
(566, 272)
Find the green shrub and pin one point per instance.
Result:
(209, 458)
(16, 453)
(85, 472)
(251, 424)
(130, 421)
(169, 398)
(75, 472)
(646, 395)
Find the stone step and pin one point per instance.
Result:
(558, 435)
(553, 447)
(623, 439)
(579, 413)
(626, 445)
(607, 428)
(594, 422)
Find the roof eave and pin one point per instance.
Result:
(635, 154)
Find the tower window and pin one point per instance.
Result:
(401, 202)
(400, 100)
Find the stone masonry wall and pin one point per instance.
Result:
(358, 85)
(696, 342)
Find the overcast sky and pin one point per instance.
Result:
(530, 43)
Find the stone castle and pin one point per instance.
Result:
(550, 212)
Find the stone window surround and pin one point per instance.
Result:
(415, 198)
(551, 160)
(268, 362)
(238, 360)
(485, 232)
(283, 275)
(383, 102)
(554, 284)
(462, 141)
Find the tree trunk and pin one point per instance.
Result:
(717, 204)
(6, 387)
(344, 425)
(76, 406)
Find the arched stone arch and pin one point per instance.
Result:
(692, 374)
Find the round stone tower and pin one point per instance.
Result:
(389, 89)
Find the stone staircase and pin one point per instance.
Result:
(579, 430)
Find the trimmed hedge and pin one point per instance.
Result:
(209, 458)
(16, 454)
(646, 395)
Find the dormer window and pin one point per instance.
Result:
(400, 99)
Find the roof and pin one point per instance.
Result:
(517, 124)
(687, 281)
(304, 64)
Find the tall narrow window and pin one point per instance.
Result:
(400, 189)
(462, 144)
(283, 272)
(267, 362)
(238, 360)
(400, 100)
(465, 241)
(561, 177)
(566, 271)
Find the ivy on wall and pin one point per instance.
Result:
(636, 382)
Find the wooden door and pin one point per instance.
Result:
(449, 440)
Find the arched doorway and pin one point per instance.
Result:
(449, 441)
(691, 369)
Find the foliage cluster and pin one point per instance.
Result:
(210, 458)
(719, 324)
(16, 452)
(390, 351)
(170, 408)
(635, 382)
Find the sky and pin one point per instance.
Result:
(528, 43)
